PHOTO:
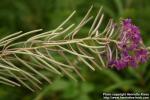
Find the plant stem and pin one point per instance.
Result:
(54, 43)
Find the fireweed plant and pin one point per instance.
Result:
(30, 58)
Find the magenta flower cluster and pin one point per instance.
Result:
(132, 52)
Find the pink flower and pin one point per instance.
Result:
(130, 46)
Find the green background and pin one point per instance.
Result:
(26, 15)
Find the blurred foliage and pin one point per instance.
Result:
(27, 15)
